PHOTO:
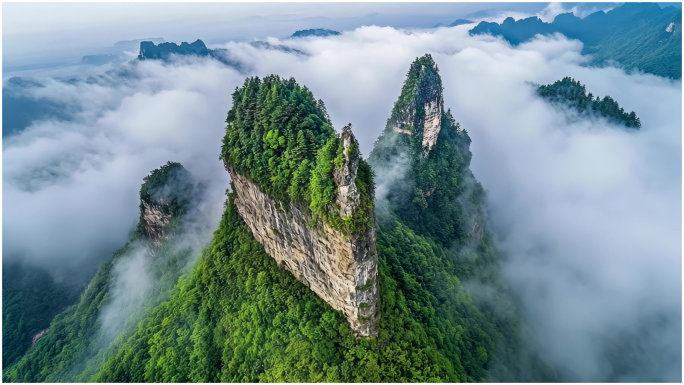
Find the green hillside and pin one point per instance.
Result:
(79, 339)
(640, 36)
(238, 316)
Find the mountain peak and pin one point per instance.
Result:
(418, 111)
(164, 196)
(149, 50)
(318, 32)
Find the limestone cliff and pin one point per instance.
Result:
(154, 220)
(341, 268)
(419, 110)
(164, 197)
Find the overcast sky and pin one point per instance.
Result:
(63, 32)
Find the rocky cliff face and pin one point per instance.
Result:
(164, 196)
(432, 123)
(341, 269)
(345, 179)
(154, 218)
(422, 115)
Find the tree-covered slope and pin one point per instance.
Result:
(240, 317)
(570, 93)
(78, 340)
(640, 36)
(31, 297)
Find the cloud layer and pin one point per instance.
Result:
(587, 216)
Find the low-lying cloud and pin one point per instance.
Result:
(587, 215)
(71, 188)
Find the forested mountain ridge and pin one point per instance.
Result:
(571, 93)
(81, 337)
(240, 315)
(317, 32)
(640, 36)
(165, 51)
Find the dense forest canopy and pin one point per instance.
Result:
(280, 137)
(571, 93)
(239, 317)
(31, 297)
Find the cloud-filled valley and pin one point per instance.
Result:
(587, 216)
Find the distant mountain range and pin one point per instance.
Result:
(277, 47)
(319, 32)
(164, 52)
(640, 36)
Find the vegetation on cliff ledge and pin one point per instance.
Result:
(280, 137)
(239, 317)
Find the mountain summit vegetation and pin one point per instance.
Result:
(280, 136)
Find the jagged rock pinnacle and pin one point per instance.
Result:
(418, 111)
(348, 195)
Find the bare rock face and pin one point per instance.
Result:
(348, 195)
(341, 269)
(155, 220)
(37, 336)
(432, 124)
(407, 120)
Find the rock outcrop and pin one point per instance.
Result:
(432, 123)
(37, 336)
(345, 179)
(422, 114)
(154, 218)
(340, 268)
(164, 196)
